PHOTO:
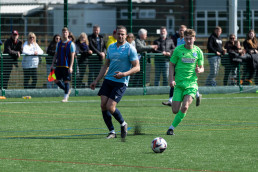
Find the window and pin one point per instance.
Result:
(147, 14)
(124, 14)
(206, 21)
(170, 0)
(74, 22)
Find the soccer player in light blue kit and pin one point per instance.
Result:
(121, 62)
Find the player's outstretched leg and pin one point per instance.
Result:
(178, 118)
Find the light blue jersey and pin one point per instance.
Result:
(180, 41)
(120, 61)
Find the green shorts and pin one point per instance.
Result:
(184, 88)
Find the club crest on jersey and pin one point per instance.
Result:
(194, 54)
(188, 60)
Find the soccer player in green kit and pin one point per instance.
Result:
(186, 62)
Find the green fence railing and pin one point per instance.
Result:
(147, 73)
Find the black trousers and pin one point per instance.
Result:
(30, 73)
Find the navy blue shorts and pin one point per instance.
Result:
(62, 73)
(112, 90)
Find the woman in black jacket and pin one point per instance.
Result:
(51, 52)
(82, 47)
(250, 66)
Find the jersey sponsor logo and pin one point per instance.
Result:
(188, 60)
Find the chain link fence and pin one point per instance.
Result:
(46, 20)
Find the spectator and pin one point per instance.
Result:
(130, 39)
(30, 61)
(64, 59)
(178, 38)
(141, 44)
(51, 52)
(250, 67)
(82, 47)
(111, 39)
(234, 50)
(141, 47)
(166, 47)
(214, 46)
(73, 39)
(13, 47)
(97, 45)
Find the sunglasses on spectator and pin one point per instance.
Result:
(232, 38)
(32, 37)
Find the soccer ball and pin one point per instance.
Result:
(158, 145)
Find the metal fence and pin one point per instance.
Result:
(153, 72)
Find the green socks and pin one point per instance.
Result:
(178, 118)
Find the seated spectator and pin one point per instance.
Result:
(166, 47)
(82, 47)
(111, 39)
(250, 67)
(51, 52)
(130, 39)
(13, 47)
(231, 63)
(31, 60)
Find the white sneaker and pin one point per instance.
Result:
(65, 100)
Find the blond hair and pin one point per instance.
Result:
(31, 34)
(83, 35)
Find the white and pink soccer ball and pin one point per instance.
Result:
(158, 145)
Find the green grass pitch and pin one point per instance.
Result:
(43, 134)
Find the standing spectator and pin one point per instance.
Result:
(73, 39)
(214, 46)
(82, 47)
(141, 47)
(97, 45)
(234, 50)
(178, 38)
(130, 39)
(13, 47)
(64, 58)
(121, 62)
(185, 67)
(30, 63)
(111, 39)
(51, 52)
(166, 47)
(141, 44)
